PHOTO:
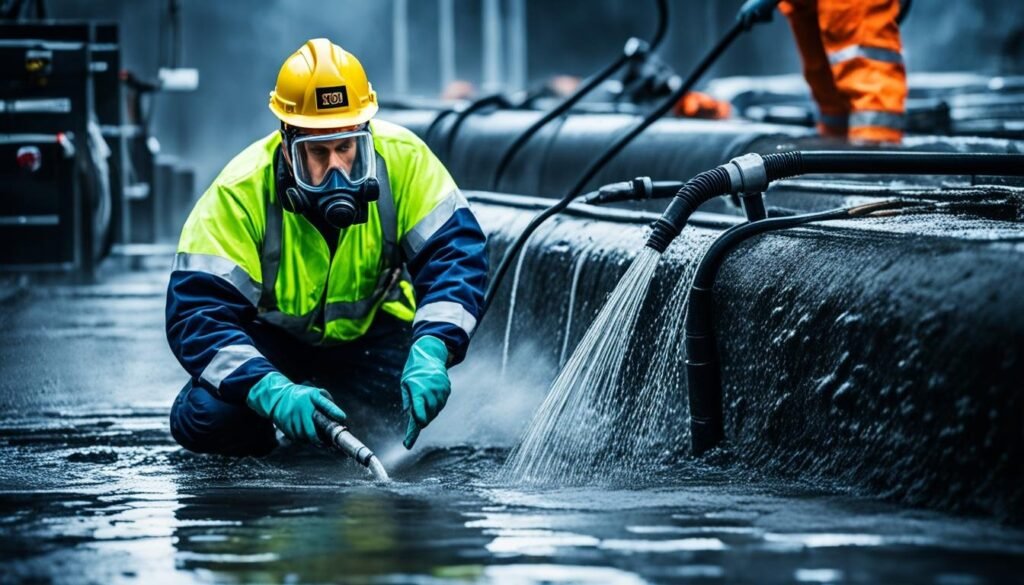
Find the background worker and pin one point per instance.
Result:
(851, 53)
(323, 257)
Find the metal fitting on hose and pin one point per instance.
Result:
(747, 174)
(346, 441)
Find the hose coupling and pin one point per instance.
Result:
(638, 189)
(747, 174)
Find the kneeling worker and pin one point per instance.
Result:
(322, 258)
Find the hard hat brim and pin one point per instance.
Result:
(322, 122)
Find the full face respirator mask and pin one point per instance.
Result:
(335, 175)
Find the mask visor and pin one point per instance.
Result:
(324, 162)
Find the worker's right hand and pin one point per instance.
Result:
(291, 406)
(755, 11)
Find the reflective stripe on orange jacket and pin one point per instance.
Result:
(852, 61)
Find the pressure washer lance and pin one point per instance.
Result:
(348, 444)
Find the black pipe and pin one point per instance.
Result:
(428, 134)
(633, 49)
(495, 99)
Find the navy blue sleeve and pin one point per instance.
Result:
(449, 274)
(206, 319)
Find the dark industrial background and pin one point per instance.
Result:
(238, 46)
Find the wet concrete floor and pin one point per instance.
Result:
(93, 489)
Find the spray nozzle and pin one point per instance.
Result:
(638, 189)
(344, 441)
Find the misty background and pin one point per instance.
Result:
(238, 46)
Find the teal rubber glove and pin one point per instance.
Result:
(425, 385)
(291, 406)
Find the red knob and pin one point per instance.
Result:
(30, 158)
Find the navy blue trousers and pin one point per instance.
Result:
(363, 376)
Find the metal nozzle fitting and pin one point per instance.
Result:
(747, 174)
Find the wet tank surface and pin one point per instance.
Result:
(93, 489)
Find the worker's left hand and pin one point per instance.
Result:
(425, 385)
(755, 11)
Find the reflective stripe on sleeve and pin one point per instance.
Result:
(227, 360)
(414, 240)
(876, 118)
(447, 312)
(221, 268)
(873, 53)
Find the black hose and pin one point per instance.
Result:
(658, 112)
(889, 162)
(506, 260)
(633, 48)
(662, 29)
(694, 193)
(771, 167)
(569, 102)
(703, 374)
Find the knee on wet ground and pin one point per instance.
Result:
(202, 423)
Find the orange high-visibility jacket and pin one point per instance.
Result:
(852, 61)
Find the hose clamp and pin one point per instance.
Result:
(747, 174)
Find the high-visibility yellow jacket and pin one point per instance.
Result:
(242, 258)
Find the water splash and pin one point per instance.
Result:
(562, 444)
(512, 303)
(653, 428)
(577, 268)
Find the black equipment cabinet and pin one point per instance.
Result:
(61, 178)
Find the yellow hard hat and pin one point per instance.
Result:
(322, 86)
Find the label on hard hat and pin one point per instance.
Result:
(331, 97)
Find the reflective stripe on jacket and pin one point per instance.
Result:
(241, 257)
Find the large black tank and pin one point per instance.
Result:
(883, 356)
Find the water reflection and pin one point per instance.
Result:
(147, 511)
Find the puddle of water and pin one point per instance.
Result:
(146, 511)
(92, 489)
